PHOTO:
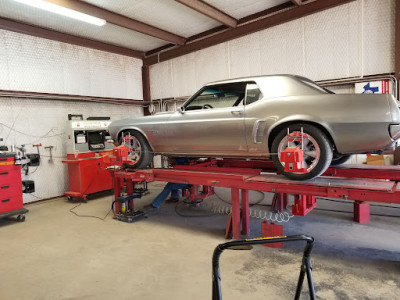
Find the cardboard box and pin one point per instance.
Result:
(380, 160)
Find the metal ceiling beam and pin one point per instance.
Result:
(221, 28)
(247, 19)
(210, 11)
(265, 13)
(159, 49)
(146, 88)
(248, 28)
(397, 42)
(68, 97)
(296, 2)
(205, 34)
(120, 20)
(11, 25)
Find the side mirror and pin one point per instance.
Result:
(181, 109)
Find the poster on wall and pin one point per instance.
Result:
(374, 87)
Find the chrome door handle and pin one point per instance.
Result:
(237, 111)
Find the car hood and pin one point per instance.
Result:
(135, 122)
(143, 119)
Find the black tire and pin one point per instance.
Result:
(322, 148)
(141, 153)
(339, 159)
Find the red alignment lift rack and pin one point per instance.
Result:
(358, 183)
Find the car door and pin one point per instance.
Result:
(257, 117)
(211, 123)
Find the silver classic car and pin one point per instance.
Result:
(251, 117)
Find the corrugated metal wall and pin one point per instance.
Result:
(354, 39)
(38, 65)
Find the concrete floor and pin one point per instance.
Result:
(55, 254)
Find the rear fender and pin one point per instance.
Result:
(296, 119)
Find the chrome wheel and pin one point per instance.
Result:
(312, 152)
(135, 147)
(140, 154)
(317, 149)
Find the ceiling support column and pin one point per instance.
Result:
(146, 88)
(397, 46)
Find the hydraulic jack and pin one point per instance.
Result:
(127, 213)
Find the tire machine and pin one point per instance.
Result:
(87, 142)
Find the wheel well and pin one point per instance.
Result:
(278, 128)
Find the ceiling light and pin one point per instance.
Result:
(63, 11)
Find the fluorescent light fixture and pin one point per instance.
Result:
(54, 8)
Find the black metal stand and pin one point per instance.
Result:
(246, 245)
(19, 212)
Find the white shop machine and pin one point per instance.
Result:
(90, 135)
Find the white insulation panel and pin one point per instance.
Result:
(378, 36)
(169, 15)
(34, 64)
(108, 33)
(354, 39)
(37, 65)
(28, 122)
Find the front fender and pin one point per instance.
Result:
(127, 128)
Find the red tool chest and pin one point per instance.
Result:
(87, 175)
(10, 184)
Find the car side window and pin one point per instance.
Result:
(253, 93)
(218, 96)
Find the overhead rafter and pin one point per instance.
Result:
(120, 20)
(210, 11)
(296, 2)
(146, 88)
(66, 38)
(219, 29)
(206, 33)
(397, 43)
(245, 29)
(68, 97)
(265, 13)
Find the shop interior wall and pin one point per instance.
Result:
(351, 40)
(38, 65)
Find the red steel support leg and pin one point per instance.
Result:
(194, 192)
(303, 204)
(279, 202)
(228, 230)
(361, 212)
(129, 190)
(235, 213)
(245, 212)
(117, 193)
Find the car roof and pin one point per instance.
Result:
(254, 78)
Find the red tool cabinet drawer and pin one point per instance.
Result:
(8, 203)
(7, 161)
(10, 184)
(10, 174)
(10, 189)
